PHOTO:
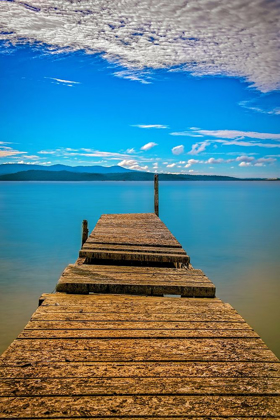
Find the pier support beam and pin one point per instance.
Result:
(84, 231)
(156, 194)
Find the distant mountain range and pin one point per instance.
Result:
(23, 172)
(12, 168)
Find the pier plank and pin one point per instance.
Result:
(139, 240)
(88, 278)
(125, 353)
(118, 350)
(139, 386)
(130, 406)
(132, 333)
(147, 369)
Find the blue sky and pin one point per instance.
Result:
(86, 87)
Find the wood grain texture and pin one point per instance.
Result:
(88, 278)
(147, 369)
(121, 355)
(130, 406)
(137, 240)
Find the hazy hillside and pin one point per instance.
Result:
(12, 168)
(39, 175)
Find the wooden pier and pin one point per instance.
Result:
(134, 331)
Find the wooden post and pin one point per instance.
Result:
(84, 231)
(156, 193)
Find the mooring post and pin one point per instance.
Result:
(84, 231)
(156, 193)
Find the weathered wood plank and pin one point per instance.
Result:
(230, 369)
(83, 350)
(65, 299)
(129, 406)
(127, 304)
(135, 256)
(127, 300)
(117, 310)
(156, 290)
(123, 272)
(123, 325)
(83, 279)
(80, 316)
(124, 240)
(139, 386)
(132, 333)
(142, 270)
(123, 356)
(141, 230)
(129, 248)
(162, 418)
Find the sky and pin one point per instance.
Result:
(187, 87)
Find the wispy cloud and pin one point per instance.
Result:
(245, 161)
(248, 144)
(134, 75)
(251, 107)
(7, 151)
(192, 162)
(160, 126)
(239, 39)
(236, 134)
(148, 146)
(133, 165)
(63, 82)
(85, 153)
(185, 134)
(242, 161)
(198, 147)
(178, 150)
(231, 138)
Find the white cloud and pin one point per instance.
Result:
(6, 151)
(67, 152)
(215, 161)
(133, 165)
(204, 37)
(244, 159)
(250, 161)
(248, 144)
(178, 150)
(266, 160)
(134, 75)
(234, 137)
(148, 146)
(244, 164)
(192, 162)
(198, 148)
(63, 82)
(248, 105)
(171, 165)
(185, 133)
(236, 134)
(160, 126)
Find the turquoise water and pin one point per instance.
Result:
(230, 230)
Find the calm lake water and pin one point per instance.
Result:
(231, 230)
